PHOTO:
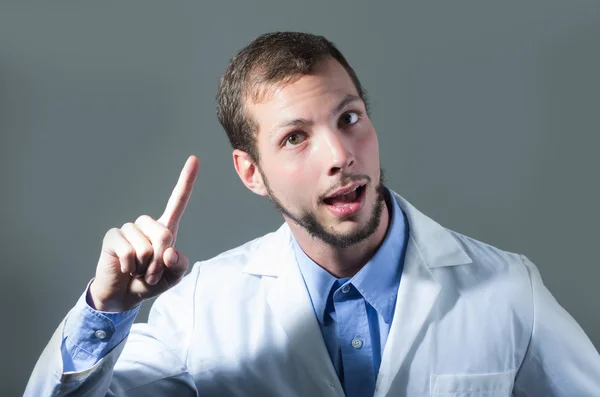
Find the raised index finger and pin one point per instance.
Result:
(181, 195)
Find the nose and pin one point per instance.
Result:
(338, 148)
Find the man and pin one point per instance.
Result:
(357, 294)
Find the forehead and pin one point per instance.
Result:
(328, 82)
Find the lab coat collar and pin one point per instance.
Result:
(435, 243)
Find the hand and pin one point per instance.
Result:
(139, 261)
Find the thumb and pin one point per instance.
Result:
(176, 263)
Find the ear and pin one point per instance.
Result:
(248, 172)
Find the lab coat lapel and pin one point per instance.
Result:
(417, 294)
(292, 307)
(429, 246)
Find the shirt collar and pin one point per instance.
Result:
(377, 281)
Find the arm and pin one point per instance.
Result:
(140, 365)
(86, 356)
(560, 360)
(148, 362)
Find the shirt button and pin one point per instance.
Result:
(100, 334)
(346, 289)
(357, 343)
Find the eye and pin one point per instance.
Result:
(294, 139)
(349, 118)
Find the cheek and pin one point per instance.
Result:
(368, 146)
(290, 178)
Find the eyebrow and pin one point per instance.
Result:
(349, 98)
(290, 123)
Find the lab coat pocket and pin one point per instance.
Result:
(498, 384)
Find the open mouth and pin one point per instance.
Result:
(352, 197)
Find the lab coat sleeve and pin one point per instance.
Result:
(149, 362)
(138, 366)
(560, 360)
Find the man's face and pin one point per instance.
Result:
(319, 156)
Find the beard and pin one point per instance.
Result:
(308, 221)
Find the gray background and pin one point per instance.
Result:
(488, 117)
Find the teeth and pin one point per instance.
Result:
(348, 192)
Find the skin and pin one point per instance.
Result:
(138, 261)
(302, 162)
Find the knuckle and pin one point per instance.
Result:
(143, 219)
(127, 226)
(110, 235)
(128, 254)
(165, 236)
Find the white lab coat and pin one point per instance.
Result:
(470, 320)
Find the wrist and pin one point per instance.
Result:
(99, 303)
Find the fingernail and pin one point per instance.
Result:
(152, 279)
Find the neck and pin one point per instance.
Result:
(343, 262)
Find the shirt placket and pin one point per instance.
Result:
(355, 341)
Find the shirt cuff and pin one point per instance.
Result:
(90, 334)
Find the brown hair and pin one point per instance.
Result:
(278, 57)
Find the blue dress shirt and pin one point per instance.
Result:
(355, 314)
